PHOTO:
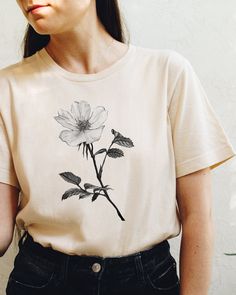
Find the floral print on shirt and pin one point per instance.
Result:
(84, 127)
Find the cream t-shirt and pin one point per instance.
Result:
(96, 156)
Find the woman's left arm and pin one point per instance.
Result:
(194, 197)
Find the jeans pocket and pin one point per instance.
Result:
(163, 276)
(31, 272)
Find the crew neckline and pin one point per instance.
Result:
(44, 56)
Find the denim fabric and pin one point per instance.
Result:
(43, 270)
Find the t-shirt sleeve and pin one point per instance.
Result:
(198, 137)
(7, 171)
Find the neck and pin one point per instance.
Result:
(85, 50)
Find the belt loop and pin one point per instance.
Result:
(64, 270)
(139, 266)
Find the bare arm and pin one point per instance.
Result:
(194, 197)
(8, 209)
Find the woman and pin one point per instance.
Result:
(110, 146)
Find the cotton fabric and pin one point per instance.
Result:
(96, 156)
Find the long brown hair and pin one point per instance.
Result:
(109, 14)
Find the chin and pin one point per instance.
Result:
(42, 28)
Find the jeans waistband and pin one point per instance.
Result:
(160, 251)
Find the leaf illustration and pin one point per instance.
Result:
(102, 189)
(95, 187)
(115, 153)
(100, 151)
(70, 177)
(121, 140)
(71, 192)
(95, 197)
(106, 188)
(89, 185)
(84, 194)
(114, 132)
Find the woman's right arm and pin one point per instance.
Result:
(9, 196)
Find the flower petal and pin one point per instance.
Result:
(98, 117)
(80, 110)
(72, 138)
(65, 114)
(65, 122)
(92, 135)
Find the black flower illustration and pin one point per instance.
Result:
(84, 127)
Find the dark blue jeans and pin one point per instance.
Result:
(43, 270)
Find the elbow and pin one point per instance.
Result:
(197, 220)
(196, 226)
(197, 217)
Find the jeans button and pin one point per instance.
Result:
(96, 267)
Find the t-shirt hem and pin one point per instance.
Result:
(210, 159)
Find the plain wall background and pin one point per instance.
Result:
(204, 31)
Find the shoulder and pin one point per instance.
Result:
(164, 62)
(18, 70)
(168, 64)
(13, 78)
(170, 58)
